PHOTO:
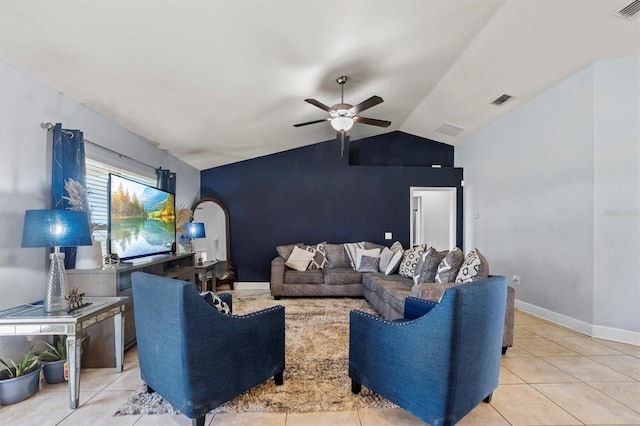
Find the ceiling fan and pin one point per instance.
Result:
(342, 116)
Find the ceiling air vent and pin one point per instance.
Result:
(630, 11)
(450, 129)
(502, 99)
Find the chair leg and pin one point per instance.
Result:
(488, 398)
(355, 387)
(198, 422)
(150, 389)
(279, 379)
(504, 349)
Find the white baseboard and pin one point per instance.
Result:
(248, 285)
(601, 332)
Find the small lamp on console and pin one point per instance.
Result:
(194, 230)
(56, 228)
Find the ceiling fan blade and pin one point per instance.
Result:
(319, 104)
(312, 122)
(372, 101)
(372, 121)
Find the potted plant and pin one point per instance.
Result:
(19, 381)
(55, 360)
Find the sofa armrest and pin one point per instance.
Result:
(415, 308)
(277, 276)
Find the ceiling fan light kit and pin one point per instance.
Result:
(342, 116)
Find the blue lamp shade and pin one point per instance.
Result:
(195, 230)
(56, 228)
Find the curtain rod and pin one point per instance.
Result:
(49, 126)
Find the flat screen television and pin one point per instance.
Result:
(142, 219)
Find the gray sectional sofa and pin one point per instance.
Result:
(385, 293)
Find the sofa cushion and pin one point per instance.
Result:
(369, 264)
(285, 251)
(299, 259)
(387, 289)
(336, 256)
(310, 276)
(369, 245)
(449, 266)
(351, 248)
(410, 260)
(474, 267)
(342, 276)
(319, 260)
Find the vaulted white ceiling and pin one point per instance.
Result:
(215, 82)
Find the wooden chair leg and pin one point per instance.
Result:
(355, 387)
(488, 398)
(279, 379)
(504, 349)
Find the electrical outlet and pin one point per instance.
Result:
(516, 279)
(388, 235)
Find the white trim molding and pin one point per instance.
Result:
(600, 332)
(248, 285)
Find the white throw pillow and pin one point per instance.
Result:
(362, 252)
(350, 248)
(299, 259)
(394, 262)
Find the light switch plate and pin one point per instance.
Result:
(388, 235)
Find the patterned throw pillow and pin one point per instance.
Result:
(449, 266)
(299, 259)
(368, 264)
(410, 260)
(363, 252)
(427, 267)
(213, 300)
(474, 267)
(319, 260)
(351, 248)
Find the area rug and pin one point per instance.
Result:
(316, 372)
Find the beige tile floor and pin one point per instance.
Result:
(552, 376)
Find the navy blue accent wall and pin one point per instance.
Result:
(311, 195)
(399, 149)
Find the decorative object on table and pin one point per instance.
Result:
(56, 228)
(75, 300)
(111, 261)
(87, 257)
(19, 381)
(55, 361)
(193, 230)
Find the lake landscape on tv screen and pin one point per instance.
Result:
(141, 219)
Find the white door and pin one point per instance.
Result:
(433, 217)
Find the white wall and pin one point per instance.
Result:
(617, 196)
(540, 180)
(25, 179)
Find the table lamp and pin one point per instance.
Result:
(56, 228)
(194, 230)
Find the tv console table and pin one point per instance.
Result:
(28, 320)
(97, 346)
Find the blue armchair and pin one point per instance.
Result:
(195, 357)
(441, 360)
